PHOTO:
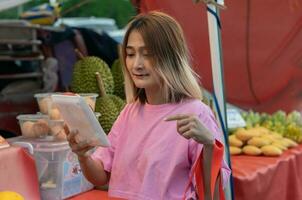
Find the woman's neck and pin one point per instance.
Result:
(155, 97)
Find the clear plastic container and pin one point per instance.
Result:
(90, 99)
(58, 169)
(46, 105)
(44, 102)
(57, 129)
(33, 125)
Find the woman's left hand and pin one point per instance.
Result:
(190, 126)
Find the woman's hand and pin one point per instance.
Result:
(189, 126)
(79, 147)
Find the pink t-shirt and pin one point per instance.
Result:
(148, 159)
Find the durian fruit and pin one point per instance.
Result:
(119, 103)
(118, 77)
(83, 76)
(106, 105)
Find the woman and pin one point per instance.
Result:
(160, 133)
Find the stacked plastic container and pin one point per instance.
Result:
(59, 172)
(58, 169)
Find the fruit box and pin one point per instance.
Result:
(59, 172)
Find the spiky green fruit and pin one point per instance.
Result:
(83, 77)
(118, 77)
(108, 110)
(119, 103)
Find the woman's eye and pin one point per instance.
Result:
(130, 54)
(147, 55)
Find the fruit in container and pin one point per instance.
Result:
(54, 114)
(90, 99)
(33, 125)
(40, 128)
(61, 135)
(57, 129)
(44, 102)
(26, 129)
(55, 126)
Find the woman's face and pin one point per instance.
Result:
(139, 63)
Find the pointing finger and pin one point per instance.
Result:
(176, 117)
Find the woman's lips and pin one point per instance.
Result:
(140, 75)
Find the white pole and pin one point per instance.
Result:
(217, 74)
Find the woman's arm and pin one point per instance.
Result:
(190, 126)
(93, 170)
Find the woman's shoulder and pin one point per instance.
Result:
(197, 105)
(130, 107)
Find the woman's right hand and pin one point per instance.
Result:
(80, 148)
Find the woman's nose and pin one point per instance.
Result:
(138, 62)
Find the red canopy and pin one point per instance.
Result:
(262, 52)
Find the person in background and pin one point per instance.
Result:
(164, 128)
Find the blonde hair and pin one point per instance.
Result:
(165, 41)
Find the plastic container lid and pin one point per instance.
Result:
(31, 117)
(46, 144)
(42, 95)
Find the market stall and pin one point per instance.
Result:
(259, 172)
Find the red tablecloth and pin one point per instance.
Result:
(268, 178)
(91, 195)
(255, 178)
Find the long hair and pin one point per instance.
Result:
(165, 41)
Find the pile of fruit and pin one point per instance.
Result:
(288, 125)
(257, 141)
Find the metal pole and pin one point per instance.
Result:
(218, 81)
